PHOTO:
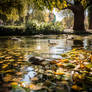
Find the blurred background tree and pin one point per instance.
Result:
(18, 11)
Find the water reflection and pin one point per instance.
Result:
(50, 47)
(28, 76)
(87, 43)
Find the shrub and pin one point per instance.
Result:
(34, 27)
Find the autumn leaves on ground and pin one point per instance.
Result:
(72, 72)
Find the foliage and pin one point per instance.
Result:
(67, 22)
(37, 15)
(31, 28)
(76, 6)
(60, 4)
(12, 30)
(13, 9)
(35, 27)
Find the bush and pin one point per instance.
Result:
(11, 30)
(34, 27)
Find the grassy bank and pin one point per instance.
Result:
(32, 28)
(11, 30)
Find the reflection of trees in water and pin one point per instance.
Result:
(62, 45)
(41, 47)
(3, 43)
(87, 43)
(77, 43)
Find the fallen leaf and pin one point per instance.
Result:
(34, 87)
(75, 87)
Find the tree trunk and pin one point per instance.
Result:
(90, 17)
(79, 21)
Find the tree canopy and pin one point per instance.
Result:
(15, 8)
(77, 6)
(12, 9)
(61, 4)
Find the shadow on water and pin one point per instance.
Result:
(14, 51)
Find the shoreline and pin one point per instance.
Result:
(22, 31)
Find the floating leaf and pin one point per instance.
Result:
(7, 78)
(59, 72)
(4, 66)
(34, 87)
(19, 73)
(59, 64)
(75, 87)
(14, 83)
(91, 58)
(34, 79)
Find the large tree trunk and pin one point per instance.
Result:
(90, 17)
(79, 21)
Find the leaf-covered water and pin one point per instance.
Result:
(66, 70)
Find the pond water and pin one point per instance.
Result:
(48, 47)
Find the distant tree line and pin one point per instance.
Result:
(12, 11)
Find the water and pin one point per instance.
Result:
(50, 46)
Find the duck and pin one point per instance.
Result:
(16, 39)
(39, 36)
(51, 42)
(69, 37)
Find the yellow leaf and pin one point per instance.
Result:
(1, 62)
(64, 60)
(7, 78)
(53, 62)
(14, 83)
(8, 57)
(34, 79)
(82, 66)
(75, 87)
(59, 64)
(9, 71)
(19, 73)
(91, 58)
(34, 87)
(58, 73)
(4, 66)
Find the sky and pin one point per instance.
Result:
(58, 17)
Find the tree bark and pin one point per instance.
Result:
(79, 17)
(90, 17)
